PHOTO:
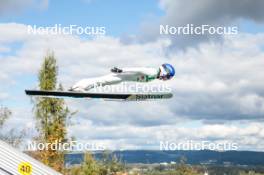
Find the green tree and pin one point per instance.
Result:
(184, 169)
(88, 167)
(111, 164)
(51, 115)
(4, 115)
(11, 136)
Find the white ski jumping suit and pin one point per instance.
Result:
(137, 74)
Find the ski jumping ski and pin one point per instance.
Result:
(125, 97)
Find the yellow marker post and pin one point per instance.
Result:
(25, 168)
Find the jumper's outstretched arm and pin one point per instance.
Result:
(137, 70)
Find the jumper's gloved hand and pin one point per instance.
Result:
(116, 70)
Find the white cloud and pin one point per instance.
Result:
(4, 49)
(134, 137)
(11, 32)
(216, 83)
(212, 11)
(3, 96)
(17, 6)
(215, 13)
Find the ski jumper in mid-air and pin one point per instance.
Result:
(135, 74)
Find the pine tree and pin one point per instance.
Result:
(51, 115)
(11, 136)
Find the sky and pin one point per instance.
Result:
(218, 87)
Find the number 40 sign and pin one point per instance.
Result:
(25, 168)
